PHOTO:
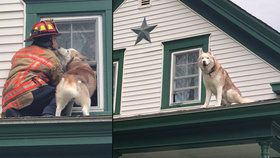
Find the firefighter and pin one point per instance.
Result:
(35, 71)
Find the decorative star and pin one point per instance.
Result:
(143, 32)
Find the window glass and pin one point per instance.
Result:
(115, 78)
(79, 34)
(84, 33)
(185, 82)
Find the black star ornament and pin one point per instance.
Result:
(143, 32)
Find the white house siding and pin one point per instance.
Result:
(142, 74)
(11, 35)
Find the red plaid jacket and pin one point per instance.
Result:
(32, 67)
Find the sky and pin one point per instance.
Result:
(266, 10)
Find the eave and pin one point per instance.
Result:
(247, 123)
(51, 137)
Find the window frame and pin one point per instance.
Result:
(189, 43)
(98, 58)
(118, 56)
(172, 76)
(61, 8)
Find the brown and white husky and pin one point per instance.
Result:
(218, 82)
(78, 83)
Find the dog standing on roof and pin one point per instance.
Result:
(218, 82)
(78, 83)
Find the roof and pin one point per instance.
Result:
(235, 111)
(246, 123)
(239, 24)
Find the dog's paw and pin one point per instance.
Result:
(203, 106)
(215, 106)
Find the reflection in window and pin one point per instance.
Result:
(185, 79)
(81, 35)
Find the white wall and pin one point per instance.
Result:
(142, 78)
(12, 28)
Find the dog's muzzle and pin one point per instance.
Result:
(204, 63)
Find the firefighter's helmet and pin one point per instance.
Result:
(43, 28)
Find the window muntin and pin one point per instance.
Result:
(185, 86)
(85, 34)
(115, 81)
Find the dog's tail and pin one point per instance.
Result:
(245, 100)
(69, 87)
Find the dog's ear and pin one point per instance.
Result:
(83, 58)
(210, 52)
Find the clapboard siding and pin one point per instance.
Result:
(6, 56)
(11, 31)
(12, 15)
(142, 75)
(11, 35)
(10, 47)
(10, 7)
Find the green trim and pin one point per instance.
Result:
(118, 55)
(116, 4)
(177, 45)
(275, 87)
(45, 137)
(246, 29)
(265, 145)
(35, 10)
(199, 128)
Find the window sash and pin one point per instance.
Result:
(173, 89)
(98, 57)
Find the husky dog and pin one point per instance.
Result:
(78, 83)
(218, 82)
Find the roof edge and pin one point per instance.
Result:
(242, 26)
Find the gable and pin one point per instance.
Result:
(143, 63)
(246, 29)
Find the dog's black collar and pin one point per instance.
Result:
(212, 69)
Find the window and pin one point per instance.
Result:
(86, 18)
(115, 81)
(182, 82)
(185, 77)
(84, 33)
(118, 56)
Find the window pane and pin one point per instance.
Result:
(63, 28)
(64, 40)
(84, 43)
(187, 95)
(186, 76)
(115, 77)
(180, 71)
(186, 82)
(181, 59)
(192, 56)
(192, 69)
(88, 26)
(80, 35)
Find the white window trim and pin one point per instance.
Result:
(116, 63)
(172, 78)
(100, 67)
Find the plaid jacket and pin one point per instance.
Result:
(32, 67)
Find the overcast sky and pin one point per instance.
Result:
(266, 10)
